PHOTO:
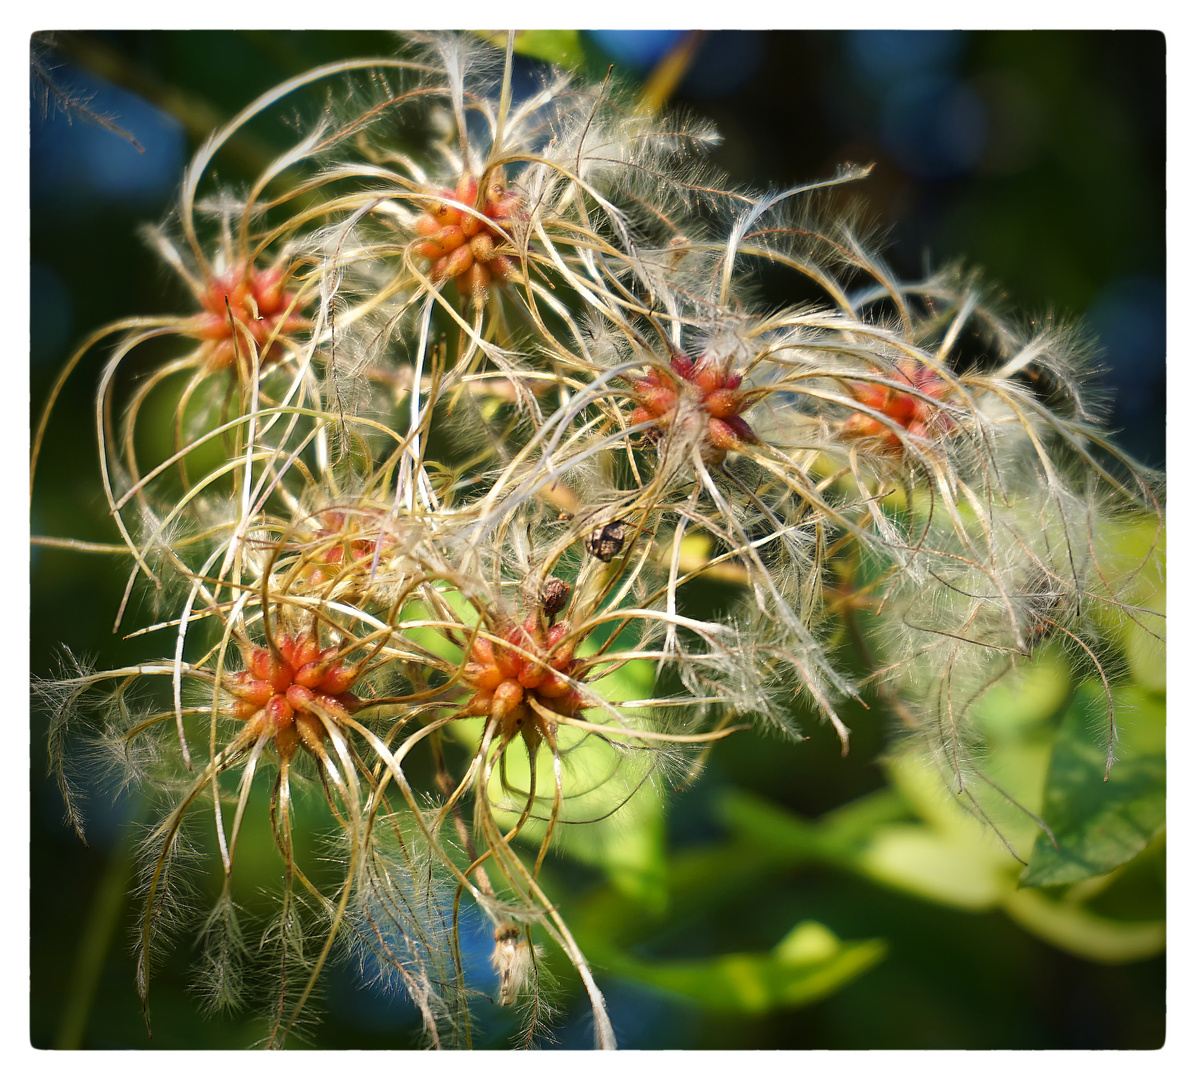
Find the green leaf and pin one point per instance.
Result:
(808, 964)
(788, 838)
(958, 871)
(560, 47)
(1139, 551)
(946, 865)
(1031, 696)
(615, 817)
(1098, 825)
(1068, 926)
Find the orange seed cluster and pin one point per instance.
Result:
(463, 245)
(709, 383)
(531, 662)
(281, 693)
(331, 561)
(256, 301)
(917, 416)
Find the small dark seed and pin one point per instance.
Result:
(555, 596)
(605, 543)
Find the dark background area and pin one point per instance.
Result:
(1038, 156)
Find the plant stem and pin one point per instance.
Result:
(94, 944)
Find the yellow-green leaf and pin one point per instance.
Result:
(808, 964)
(1100, 825)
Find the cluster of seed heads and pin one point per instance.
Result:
(473, 399)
